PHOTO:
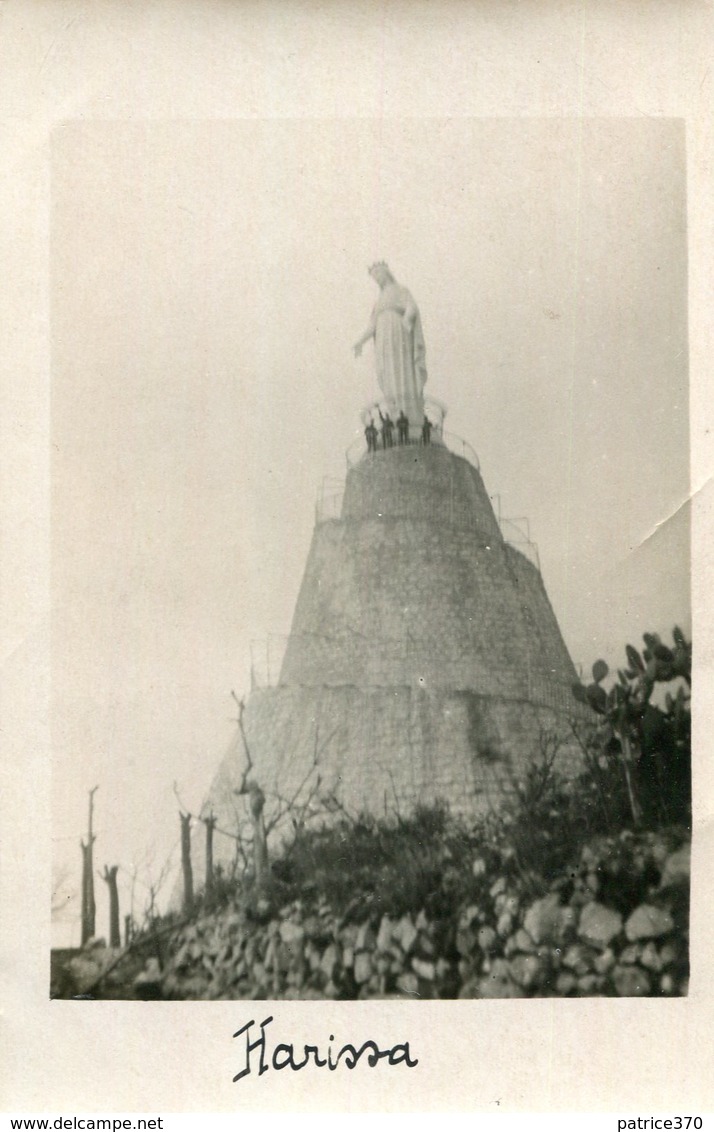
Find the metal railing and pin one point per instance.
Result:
(461, 447)
(456, 444)
(328, 507)
(328, 504)
(520, 539)
(266, 660)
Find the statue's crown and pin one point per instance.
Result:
(379, 263)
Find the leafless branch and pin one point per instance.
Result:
(226, 833)
(397, 809)
(154, 887)
(286, 805)
(137, 944)
(319, 749)
(244, 787)
(333, 805)
(182, 809)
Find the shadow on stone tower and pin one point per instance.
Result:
(424, 661)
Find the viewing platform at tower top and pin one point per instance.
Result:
(384, 430)
(358, 450)
(436, 477)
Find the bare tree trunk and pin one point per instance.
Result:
(627, 762)
(127, 930)
(89, 908)
(186, 863)
(110, 876)
(256, 800)
(210, 823)
(260, 842)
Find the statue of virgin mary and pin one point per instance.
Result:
(399, 350)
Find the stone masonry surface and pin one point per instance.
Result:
(424, 661)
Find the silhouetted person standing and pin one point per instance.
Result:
(371, 436)
(387, 430)
(403, 428)
(426, 431)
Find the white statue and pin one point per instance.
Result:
(399, 350)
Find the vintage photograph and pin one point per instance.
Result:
(371, 615)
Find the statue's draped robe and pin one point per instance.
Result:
(400, 355)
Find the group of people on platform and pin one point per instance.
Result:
(387, 431)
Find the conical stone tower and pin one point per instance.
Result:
(424, 660)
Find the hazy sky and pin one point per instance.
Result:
(208, 281)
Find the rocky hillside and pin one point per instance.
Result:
(615, 924)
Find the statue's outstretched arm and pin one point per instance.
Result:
(369, 333)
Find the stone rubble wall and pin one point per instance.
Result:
(567, 943)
